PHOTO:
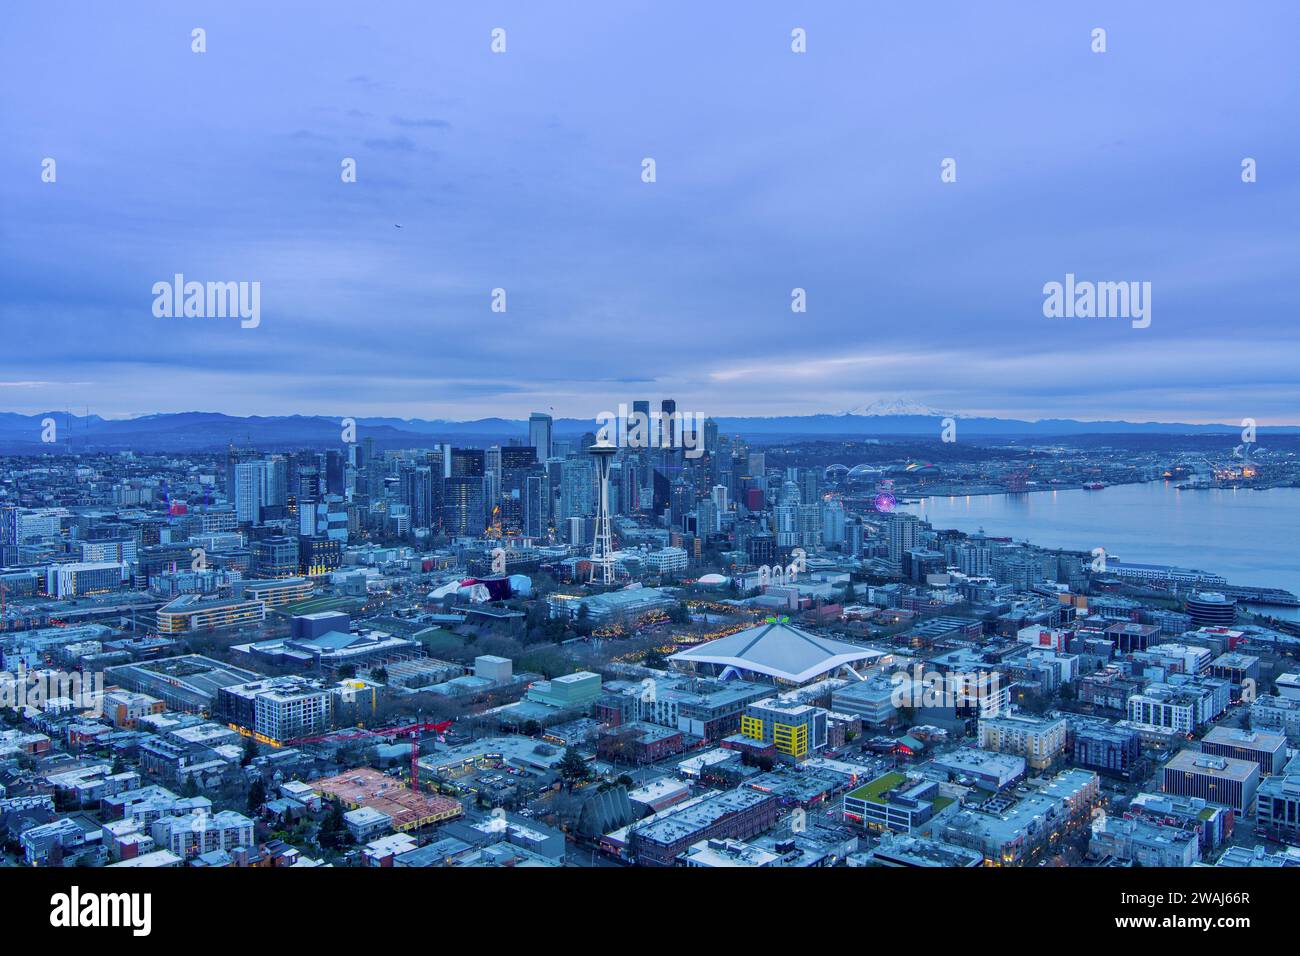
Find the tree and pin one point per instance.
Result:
(250, 752)
(256, 796)
(333, 827)
(583, 623)
(850, 593)
(573, 769)
(191, 787)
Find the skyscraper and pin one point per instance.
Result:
(464, 505)
(540, 426)
(416, 491)
(247, 490)
(904, 534)
(517, 462)
(537, 501)
(577, 488)
(710, 436)
(464, 510)
(334, 471)
(641, 412)
(668, 423)
(833, 522)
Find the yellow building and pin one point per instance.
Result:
(794, 730)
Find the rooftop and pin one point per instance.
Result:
(778, 650)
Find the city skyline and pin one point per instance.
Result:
(775, 172)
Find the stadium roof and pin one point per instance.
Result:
(778, 650)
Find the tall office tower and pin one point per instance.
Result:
(275, 477)
(554, 469)
(904, 534)
(758, 466)
(334, 463)
(307, 483)
(681, 501)
(416, 493)
(370, 479)
(8, 535)
(493, 483)
(575, 530)
(540, 426)
(577, 488)
(833, 522)
(853, 537)
(706, 517)
(617, 480)
(641, 413)
(537, 505)
(810, 485)
(517, 462)
(710, 436)
(468, 463)
(789, 494)
(727, 477)
(463, 509)
(602, 550)
(633, 473)
(787, 524)
(306, 517)
(668, 423)
(810, 526)
(720, 498)
(248, 486)
(492, 502)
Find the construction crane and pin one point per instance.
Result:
(363, 733)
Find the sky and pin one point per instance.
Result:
(774, 170)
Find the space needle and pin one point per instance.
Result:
(602, 548)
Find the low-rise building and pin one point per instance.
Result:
(1016, 830)
(1279, 715)
(196, 833)
(896, 802)
(736, 814)
(1221, 780)
(1277, 806)
(1267, 750)
(1040, 740)
(1144, 842)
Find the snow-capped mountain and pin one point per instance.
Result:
(886, 407)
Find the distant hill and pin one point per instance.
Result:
(211, 431)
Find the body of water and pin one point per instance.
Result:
(1249, 537)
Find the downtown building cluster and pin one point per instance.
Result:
(383, 656)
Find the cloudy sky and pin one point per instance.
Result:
(775, 170)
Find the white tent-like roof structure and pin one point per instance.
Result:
(776, 650)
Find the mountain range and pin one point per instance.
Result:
(211, 431)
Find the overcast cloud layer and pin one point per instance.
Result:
(775, 170)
